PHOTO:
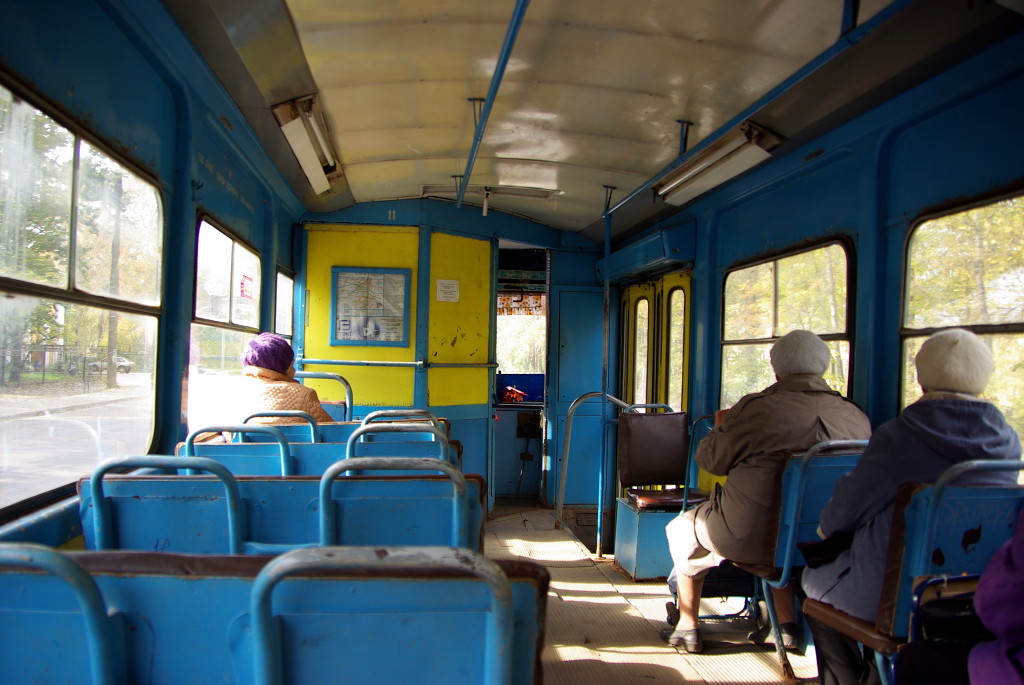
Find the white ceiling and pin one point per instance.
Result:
(591, 96)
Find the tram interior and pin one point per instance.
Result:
(527, 173)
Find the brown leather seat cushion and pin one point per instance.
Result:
(665, 500)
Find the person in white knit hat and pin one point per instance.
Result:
(749, 444)
(949, 424)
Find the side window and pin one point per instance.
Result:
(227, 295)
(89, 229)
(764, 302)
(967, 270)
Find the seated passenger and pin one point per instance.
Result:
(270, 383)
(790, 416)
(947, 425)
(999, 603)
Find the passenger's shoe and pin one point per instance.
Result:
(671, 613)
(764, 636)
(690, 640)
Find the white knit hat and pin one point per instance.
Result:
(955, 360)
(800, 352)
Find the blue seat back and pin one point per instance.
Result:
(944, 529)
(181, 618)
(808, 482)
(195, 514)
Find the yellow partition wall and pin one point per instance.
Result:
(359, 246)
(460, 319)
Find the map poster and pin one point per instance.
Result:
(370, 306)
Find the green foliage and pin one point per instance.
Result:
(967, 269)
(764, 302)
(522, 344)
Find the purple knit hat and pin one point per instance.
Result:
(269, 351)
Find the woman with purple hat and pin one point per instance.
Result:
(270, 383)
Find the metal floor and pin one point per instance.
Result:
(603, 628)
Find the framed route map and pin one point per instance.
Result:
(370, 306)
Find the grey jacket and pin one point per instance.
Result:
(927, 438)
(757, 433)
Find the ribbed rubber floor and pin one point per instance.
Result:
(602, 628)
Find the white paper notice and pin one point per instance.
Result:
(447, 290)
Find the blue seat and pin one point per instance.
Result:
(806, 485)
(262, 515)
(303, 617)
(938, 529)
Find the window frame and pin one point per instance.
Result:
(70, 293)
(908, 333)
(846, 335)
(236, 240)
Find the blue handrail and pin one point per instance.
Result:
(429, 429)
(314, 430)
(286, 462)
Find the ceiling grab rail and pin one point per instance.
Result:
(485, 111)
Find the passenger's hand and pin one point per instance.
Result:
(720, 416)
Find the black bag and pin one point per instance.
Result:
(821, 552)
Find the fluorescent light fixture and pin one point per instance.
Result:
(742, 148)
(305, 129)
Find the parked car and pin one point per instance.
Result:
(123, 365)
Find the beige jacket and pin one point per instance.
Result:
(266, 390)
(757, 433)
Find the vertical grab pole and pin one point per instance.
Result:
(605, 375)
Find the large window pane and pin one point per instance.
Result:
(750, 302)
(227, 279)
(215, 368)
(118, 249)
(812, 291)
(213, 274)
(36, 166)
(745, 369)
(63, 409)
(967, 268)
(676, 347)
(245, 287)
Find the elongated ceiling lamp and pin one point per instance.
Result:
(742, 148)
(305, 130)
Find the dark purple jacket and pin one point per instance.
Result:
(999, 602)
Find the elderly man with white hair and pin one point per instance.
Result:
(747, 444)
(949, 424)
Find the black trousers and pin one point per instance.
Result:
(930, 661)
(840, 659)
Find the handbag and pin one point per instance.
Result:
(821, 552)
